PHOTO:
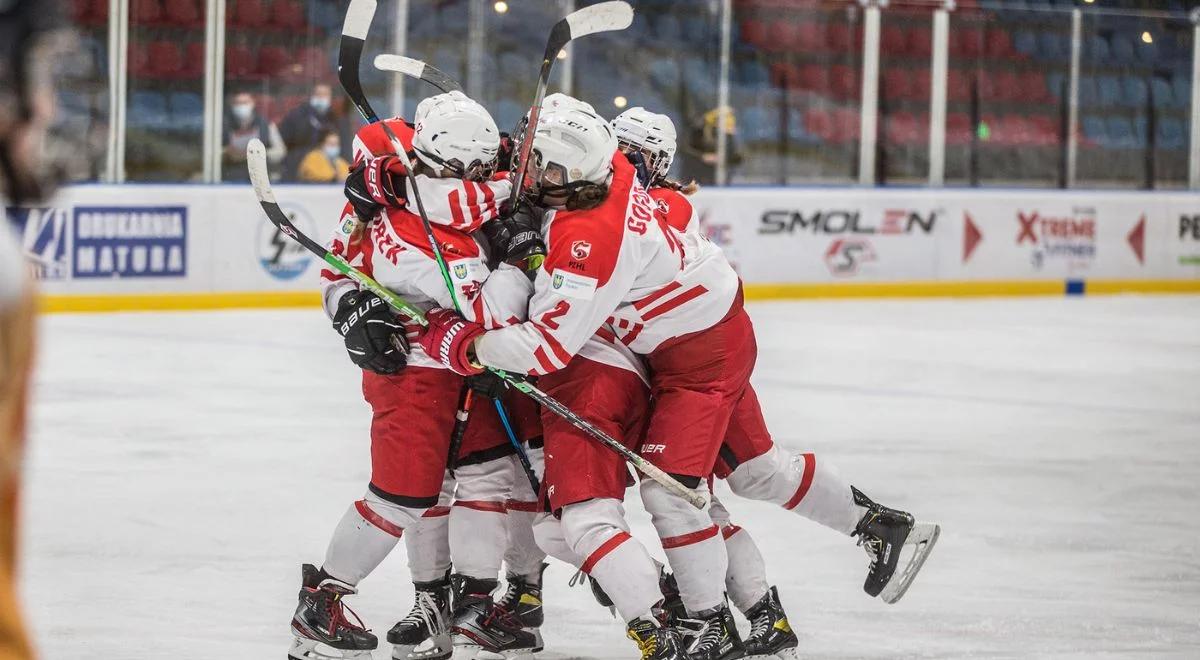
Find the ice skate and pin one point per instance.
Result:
(522, 598)
(472, 601)
(712, 635)
(424, 633)
(655, 641)
(771, 635)
(886, 534)
(320, 626)
(671, 609)
(511, 627)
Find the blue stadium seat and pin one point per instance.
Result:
(1052, 46)
(698, 29)
(1120, 133)
(1134, 92)
(1096, 50)
(664, 73)
(755, 126)
(1025, 43)
(1148, 53)
(667, 28)
(148, 110)
(1093, 129)
(187, 111)
(1181, 89)
(1121, 50)
(1172, 134)
(752, 72)
(508, 113)
(1163, 97)
(1110, 90)
(701, 80)
(1088, 91)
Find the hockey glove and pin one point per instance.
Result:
(505, 154)
(517, 240)
(448, 339)
(375, 184)
(373, 334)
(488, 384)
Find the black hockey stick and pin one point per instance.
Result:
(417, 69)
(603, 17)
(256, 160)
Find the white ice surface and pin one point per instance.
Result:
(183, 466)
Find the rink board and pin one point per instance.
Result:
(101, 248)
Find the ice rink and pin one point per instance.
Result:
(182, 466)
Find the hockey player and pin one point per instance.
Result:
(455, 143)
(749, 460)
(613, 267)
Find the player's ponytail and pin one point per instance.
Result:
(588, 196)
(689, 188)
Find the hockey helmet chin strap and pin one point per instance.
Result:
(476, 171)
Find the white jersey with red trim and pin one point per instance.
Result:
(677, 209)
(619, 271)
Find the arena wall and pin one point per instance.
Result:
(196, 247)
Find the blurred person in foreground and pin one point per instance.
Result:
(304, 125)
(32, 34)
(325, 163)
(242, 124)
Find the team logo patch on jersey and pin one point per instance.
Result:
(572, 285)
(460, 271)
(580, 250)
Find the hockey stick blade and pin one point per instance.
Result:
(359, 15)
(602, 17)
(417, 69)
(922, 539)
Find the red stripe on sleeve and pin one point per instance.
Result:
(649, 300)
(544, 362)
(456, 209)
(607, 335)
(482, 505)
(489, 198)
(810, 466)
(688, 539)
(686, 296)
(559, 352)
(377, 520)
(633, 334)
(605, 548)
(472, 205)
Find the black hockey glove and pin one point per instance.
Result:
(374, 335)
(517, 240)
(488, 384)
(375, 184)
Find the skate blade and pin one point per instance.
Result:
(792, 653)
(311, 649)
(922, 539)
(433, 648)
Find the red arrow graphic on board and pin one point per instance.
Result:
(1137, 239)
(971, 236)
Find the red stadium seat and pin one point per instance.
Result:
(250, 13)
(289, 15)
(815, 77)
(845, 124)
(139, 60)
(240, 62)
(273, 60)
(1045, 130)
(187, 13)
(902, 128)
(958, 86)
(819, 123)
(920, 42)
(896, 84)
(892, 41)
(843, 82)
(754, 32)
(166, 59)
(810, 38)
(841, 39)
(99, 11)
(999, 43)
(1033, 87)
(920, 86)
(958, 128)
(783, 36)
(970, 43)
(145, 12)
(193, 61)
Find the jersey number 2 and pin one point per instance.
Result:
(550, 318)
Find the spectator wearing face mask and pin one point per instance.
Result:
(242, 124)
(305, 126)
(325, 163)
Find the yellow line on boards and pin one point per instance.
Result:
(145, 302)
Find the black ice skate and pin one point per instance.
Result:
(771, 635)
(885, 533)
(424, 634)
(712, 635)
(670, 609)
(655, 641)
(522, 598)
(320, 626)
(472, 602)
(498, 632)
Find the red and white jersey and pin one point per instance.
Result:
(619, 271)
(677, 209)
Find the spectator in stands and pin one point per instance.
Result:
(700, 150)
(242, 124)
(325, 163)
(305, 125)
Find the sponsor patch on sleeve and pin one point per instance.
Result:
(573, 285)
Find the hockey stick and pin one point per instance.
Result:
(417, 69)
(355, 27)
(603, 17)
(256, 159)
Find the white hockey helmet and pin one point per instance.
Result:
(558, 100)
(456, 133)
(652, 134)
(572, 150)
